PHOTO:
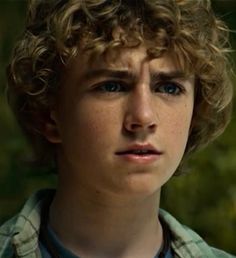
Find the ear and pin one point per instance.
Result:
(51, 128)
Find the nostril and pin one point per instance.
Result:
(152, 126)
(137, 126)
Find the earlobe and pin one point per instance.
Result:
(51, 129)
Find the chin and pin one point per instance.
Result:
(143, 184)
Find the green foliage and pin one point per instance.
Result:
(204, 199)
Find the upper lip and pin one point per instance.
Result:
(142, 147)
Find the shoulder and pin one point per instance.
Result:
(187, 243)
(221, 254)
(205, 248)
(19, 235)
(6, 234)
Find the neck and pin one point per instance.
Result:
(103, 225)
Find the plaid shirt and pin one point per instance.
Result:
(19, 236)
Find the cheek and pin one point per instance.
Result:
(178, 127)
(94, 125)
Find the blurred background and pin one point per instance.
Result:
(204, 199)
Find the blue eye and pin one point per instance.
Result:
(169, 88)
(111, 86)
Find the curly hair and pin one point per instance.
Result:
(56, 29)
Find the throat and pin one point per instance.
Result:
(146, 244)
(79, 226)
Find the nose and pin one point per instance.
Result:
(141, 113)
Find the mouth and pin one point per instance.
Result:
(140, 154)
(140, 149)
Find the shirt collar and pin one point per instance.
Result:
(185, 242)
(26, 229)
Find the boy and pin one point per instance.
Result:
(116, 94)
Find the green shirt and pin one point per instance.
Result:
(19, 237)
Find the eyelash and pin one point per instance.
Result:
(174, 89)
(101, 87)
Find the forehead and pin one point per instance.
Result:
(124, 58)
(127, 56)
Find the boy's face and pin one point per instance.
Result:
(107, 109)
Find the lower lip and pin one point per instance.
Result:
(140, 159)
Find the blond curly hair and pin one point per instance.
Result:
(55, 29)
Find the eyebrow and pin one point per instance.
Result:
(124, 74)
(119, 74)
(165, 76)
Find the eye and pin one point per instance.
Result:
(111, 86)
(169, 88)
